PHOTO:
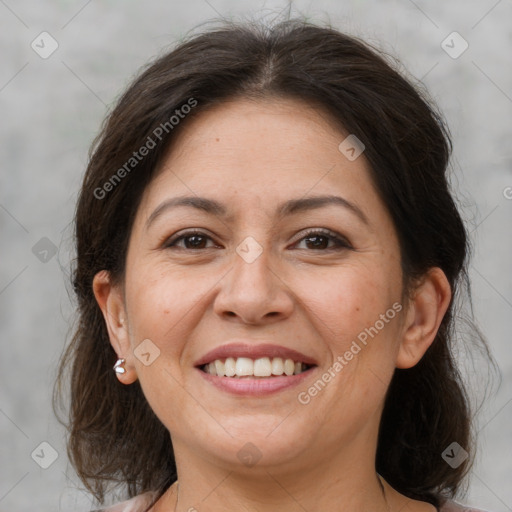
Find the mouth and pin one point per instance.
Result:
(247, 368)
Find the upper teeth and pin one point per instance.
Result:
(246, 367)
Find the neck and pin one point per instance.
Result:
(320, 485)
(274, 494)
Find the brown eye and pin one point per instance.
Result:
(317, 241)
(192, 240)
(320, 239)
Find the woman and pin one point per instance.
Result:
(267, 258)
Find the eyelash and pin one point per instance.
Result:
(341, 243)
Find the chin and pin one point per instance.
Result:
(257, 441)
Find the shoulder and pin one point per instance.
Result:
(138, 503)
(453, 506)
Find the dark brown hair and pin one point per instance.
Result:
(113, 434)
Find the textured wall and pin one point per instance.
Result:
(50, 109)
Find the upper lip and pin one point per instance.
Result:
(252, 351)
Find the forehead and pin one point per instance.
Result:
(261, 149)
(278, 130)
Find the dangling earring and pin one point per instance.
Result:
(118, 367)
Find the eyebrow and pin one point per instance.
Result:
(289, 207)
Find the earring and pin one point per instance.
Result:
(118, 367)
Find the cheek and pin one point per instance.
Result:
(357, 314)
(351, 299)
(356, 311)
(161, 305)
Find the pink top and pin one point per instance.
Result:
(142, 502)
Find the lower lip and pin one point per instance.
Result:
(256, 387)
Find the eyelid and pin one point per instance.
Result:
(339, 240)
(184, 234)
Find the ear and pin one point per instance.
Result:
(424, 315)
(111, 302)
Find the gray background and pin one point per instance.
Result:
(50, 110)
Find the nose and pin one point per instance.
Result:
(254, 293)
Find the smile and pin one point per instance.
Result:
(245, 367)
(253, 385)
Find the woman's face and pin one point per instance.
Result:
(269, 267)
